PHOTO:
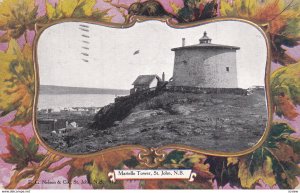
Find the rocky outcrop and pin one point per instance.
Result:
(122, 107)
(119, 110)
(222, 122)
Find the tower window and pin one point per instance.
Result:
(227, 69)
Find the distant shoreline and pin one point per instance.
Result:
(57, 90)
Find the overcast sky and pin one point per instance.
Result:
(113, 64)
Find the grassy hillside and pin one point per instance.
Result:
(223, 122)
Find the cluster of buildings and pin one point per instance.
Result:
(50, 121)
(71, 110)
(49, 126)
(68, 129)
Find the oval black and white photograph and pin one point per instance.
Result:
(151, 85)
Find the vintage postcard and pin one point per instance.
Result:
(152, 94)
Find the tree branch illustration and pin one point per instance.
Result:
(34, 171)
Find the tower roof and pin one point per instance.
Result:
(205, 42)
(204, 39)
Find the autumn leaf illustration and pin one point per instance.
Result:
(175, 7)
(16, 18)
(21, 151)
(285, 87)
(225, 171)
(275, 162)
(195, 10)
(76, 9)
(17, 82)
(252, 170)
(96, 168)
(281, 17)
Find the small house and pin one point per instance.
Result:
(46, 125)
(144, 82)
(70, 129)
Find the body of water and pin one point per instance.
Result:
(74, 100)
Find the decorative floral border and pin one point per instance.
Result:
(27, 164)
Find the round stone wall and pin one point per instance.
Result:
(204, 67)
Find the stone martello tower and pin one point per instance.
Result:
(205, 65)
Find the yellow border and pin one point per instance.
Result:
(170, 23)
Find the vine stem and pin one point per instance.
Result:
(26, 36)
(282, 10)
(59, 167)
(283, 169)
(251, 159)
(35, 172)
